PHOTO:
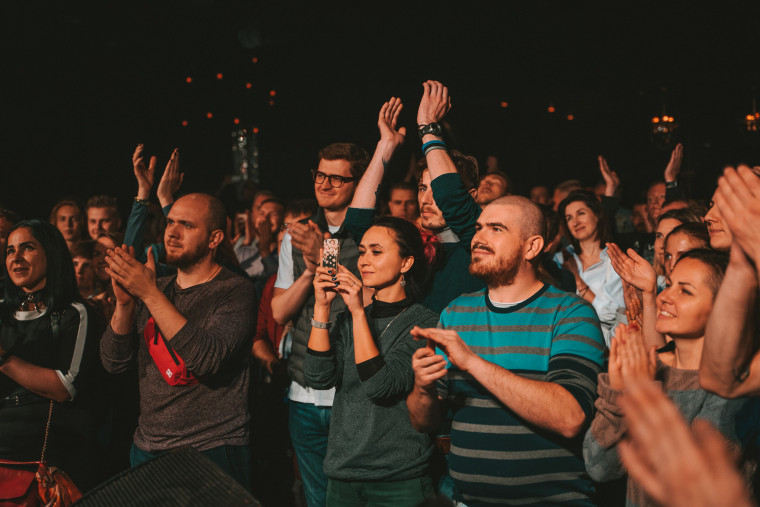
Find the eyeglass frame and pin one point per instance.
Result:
(330, 177)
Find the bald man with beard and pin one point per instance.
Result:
(517, 363)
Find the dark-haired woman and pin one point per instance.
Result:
(374, 456)
(48, 356)
(586, 258)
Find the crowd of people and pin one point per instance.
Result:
(450, 344)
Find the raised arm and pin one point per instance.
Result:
(170, 181)
(434, 105)
(672, 191)
(391, 138)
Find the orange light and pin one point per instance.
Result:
(249, 85)
(570, 117)
(184, 123)
(551, 109)
(272, 93)
(209, 115)
(750, 117)
(757, 115)
(188, 79)
(271, 102)
(219, 76)
(236, 121)
(504, 104)
(656, 120)
(255, 60)
(255, 130)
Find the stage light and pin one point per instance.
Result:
(655, 120)
(271, 102)
(255, 60)
(236, 121)
(219, 76)
(570, 117)
(249, 85)
(188, 80)
(255, 130)
(209, 115)
(184, 123)
(551, 109)
(504, 104)
(272, 93)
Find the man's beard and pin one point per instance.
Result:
(498, 273)
(188, 258)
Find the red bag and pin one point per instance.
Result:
(32, 484)
(169, 363)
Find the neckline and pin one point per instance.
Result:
(382, 309)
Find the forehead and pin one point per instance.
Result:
(657, 189)
(189, 209)
(80, 259)
(100, 212)
(576, 206)
(425, 177)
(259, 199)
(494, 178)
(668, 224)
(378, 236)
(692, 271)
(271, 206)
(22, 235)
(68, 210)
(507, 214)
(337, 167)
(681, 240)
(401, 193)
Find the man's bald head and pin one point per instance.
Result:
(214, 214)
(532, 221)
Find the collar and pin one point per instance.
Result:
(319, 219)
(382, 309)
(447, 236)
(518, 306)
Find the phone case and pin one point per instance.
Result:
(330, 249)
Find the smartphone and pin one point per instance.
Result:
(330, 249)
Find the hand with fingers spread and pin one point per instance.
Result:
(435, 103)
(677, 466)
(738, 199)
(633, 268)
(611, 179)
(308, 239)
(129, 275)
(451, 343)
(387, 121)
(144, 176)
(170, 181)
(674, 165)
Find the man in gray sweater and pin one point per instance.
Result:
(191, 335)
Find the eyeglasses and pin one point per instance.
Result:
(335, 180)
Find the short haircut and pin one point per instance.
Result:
(603, 227)
(301, 207)
(466, 166)
(216, 220)
(716, 262)
(403, 185)
(533, 222)
(354, 154)
(101, 201)
(568, 186)
(84, 249)
(502, 175)
(10, 216)
(60, 204)
(273, 199)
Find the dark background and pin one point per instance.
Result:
(85, 82)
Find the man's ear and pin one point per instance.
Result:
(216, 239)
(474, 193)
(535, 245)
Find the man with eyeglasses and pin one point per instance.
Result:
(341, 165)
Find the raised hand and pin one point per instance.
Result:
(675, 466)
(674, 166)
(435, 103)
(130, 275)
(633, 305)
(428, 368)
(145, 176)
(637, 363)
(738, 199)
(611, 179)
(633, 268)
(388, 120)
(349, 287)
(451, 343)
(324, 287)
(267, 237)
(308, 239)
(170, 181)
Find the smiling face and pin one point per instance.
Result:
(581, 221)
(431, 216)
(380, 263)
(100, 220)
(26, 261)
(683, 308)
(720, 234)
(497, 247)
(328, 197)
(663, 229)
(675, 246)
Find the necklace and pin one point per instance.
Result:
(30, 300)
(391, 322)
(217, 270)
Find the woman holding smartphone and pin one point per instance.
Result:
(374, 456)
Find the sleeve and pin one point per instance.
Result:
(118, 351)
(323, 370)
(391, 375)
(135, 231)
(458, 207)
(724, 414)
(285, 269)
(265, 315)
(207, 346)
(358, 221)
(673, 193)
(78, 349)
(607, 429)
(610, 297)
(577, 354)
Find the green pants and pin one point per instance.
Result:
(375, 494)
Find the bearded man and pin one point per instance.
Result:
(191, 337)
(519, 371)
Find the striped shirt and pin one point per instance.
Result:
(496, 457)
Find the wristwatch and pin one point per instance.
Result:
(431, 128)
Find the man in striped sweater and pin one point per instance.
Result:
(519, 372)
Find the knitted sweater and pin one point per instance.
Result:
(371, 437)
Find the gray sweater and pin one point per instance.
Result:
(215, 344)
(371, 437)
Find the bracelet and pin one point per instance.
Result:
(144, 202)
(583, 292)
(320, 325)
(433, 145)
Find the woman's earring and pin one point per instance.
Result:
(403, 282)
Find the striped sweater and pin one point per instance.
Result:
(496, 457)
